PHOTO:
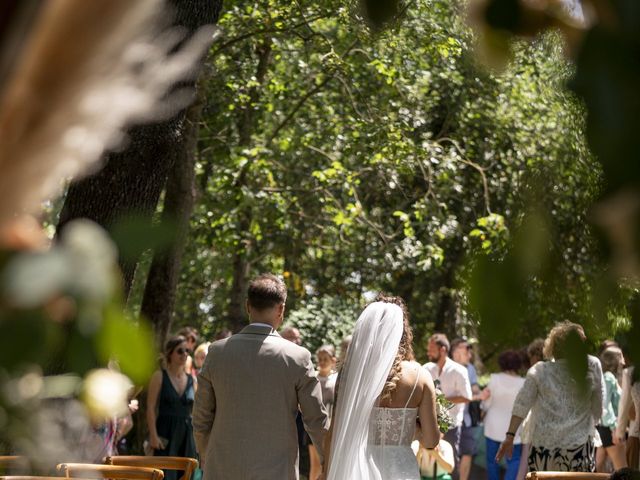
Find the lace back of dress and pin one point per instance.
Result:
(394, 426)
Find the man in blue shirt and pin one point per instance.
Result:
(461, 353)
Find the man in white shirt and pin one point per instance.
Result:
(453, 380)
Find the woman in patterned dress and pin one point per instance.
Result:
(564, 411)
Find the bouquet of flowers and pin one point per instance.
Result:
(445, 421)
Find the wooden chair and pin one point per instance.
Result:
(91, 470)
(185, 464)
(33, 477)
(566, 476)
(13, 464)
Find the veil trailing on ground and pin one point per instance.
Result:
(370, 357)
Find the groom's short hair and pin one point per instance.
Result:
(266, 291)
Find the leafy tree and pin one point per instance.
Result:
(355, 161)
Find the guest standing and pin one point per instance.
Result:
(612, 364)
(461, 353)
(326, 363)
(453, 379)
(199, 355)
(563, 418)
(292, 334)
(190, 335)
(534, 355)
(535, 351)
(169, 403)
(501, 391)
(626, 411)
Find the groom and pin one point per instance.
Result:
(249, 391)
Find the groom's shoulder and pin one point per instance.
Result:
(291, 349)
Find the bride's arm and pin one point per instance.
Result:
(427, 412)
(443, 455)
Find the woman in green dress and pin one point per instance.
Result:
(169, 404)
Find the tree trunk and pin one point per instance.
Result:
(448, 308)
(131, 181)
(160, 290)
(241, 264)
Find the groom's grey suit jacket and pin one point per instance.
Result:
(244, 415)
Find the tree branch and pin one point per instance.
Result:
(306, 97)
(477, 167)
(263, 31)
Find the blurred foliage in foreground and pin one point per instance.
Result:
(62, 321)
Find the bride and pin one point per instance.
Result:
(380, 394)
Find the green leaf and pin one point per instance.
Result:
(129, 343)
(134, 235)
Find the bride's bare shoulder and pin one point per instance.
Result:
(414, 369)
(409, 370)
(410, 365)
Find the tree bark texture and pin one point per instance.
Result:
(160, 289)
(132, 180)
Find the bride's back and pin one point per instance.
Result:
(405, 395)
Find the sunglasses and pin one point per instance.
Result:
(182, 351)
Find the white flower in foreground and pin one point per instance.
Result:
(105, 393)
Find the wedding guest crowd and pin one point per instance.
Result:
(541, 421)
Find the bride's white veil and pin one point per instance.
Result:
(376, 338)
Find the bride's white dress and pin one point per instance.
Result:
(391, 431)
(371, 442)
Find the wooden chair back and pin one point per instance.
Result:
(185, 464)
(566, 476)
(13, 464)
(116, 472)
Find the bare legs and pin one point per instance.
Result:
(615, 452)
(314, 460)
(465, 466)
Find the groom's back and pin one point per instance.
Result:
(255, 378)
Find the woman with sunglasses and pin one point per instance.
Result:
(169, 404)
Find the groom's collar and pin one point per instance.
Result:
(259, 324)
(259, 329)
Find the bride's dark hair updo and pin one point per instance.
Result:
(405, 349)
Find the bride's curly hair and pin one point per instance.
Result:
(405, 349)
